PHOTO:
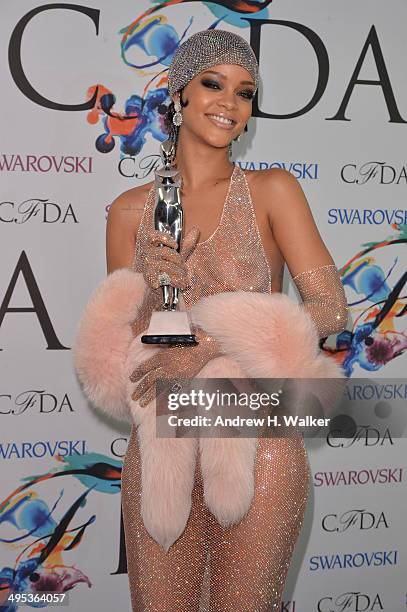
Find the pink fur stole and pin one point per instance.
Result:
(261, 336)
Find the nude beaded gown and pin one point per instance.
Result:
(209, 568)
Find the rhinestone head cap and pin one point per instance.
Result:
(206, 49)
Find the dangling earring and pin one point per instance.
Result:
(177, 118)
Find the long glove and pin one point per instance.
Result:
(323, 298)
(160, 256)
(173, 362)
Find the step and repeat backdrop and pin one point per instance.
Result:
(83, 95)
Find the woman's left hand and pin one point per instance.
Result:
(173, 362)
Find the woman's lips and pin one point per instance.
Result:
(225, 126)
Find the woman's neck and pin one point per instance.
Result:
(201, 165)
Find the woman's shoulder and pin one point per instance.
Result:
(271, 188)
(123, 222)
(270, 177)
(134, 195)
(127, 208)
(279, 194)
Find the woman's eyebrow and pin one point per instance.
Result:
(225, 77)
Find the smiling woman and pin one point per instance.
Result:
(224, 98)
(211, 518)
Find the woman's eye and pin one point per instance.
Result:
(248, 93)
(212, 84)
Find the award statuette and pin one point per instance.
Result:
(169, 325)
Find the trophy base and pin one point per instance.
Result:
(169, 327)
(189, 340)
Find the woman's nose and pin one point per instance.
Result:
(227, 100)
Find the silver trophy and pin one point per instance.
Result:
(169, 325)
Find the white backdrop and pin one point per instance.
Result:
(332, 110)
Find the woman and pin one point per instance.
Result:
(216, 533)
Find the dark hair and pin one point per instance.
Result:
(172, 129)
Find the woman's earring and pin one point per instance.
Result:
(177, 118)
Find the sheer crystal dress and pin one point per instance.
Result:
(242, 568)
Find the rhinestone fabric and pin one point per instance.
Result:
(231, 258)
(163, 265)
(206, 49)
(209, 568)
(324, 298)
(174, 362)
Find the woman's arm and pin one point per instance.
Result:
(308, 260)
(122, 224)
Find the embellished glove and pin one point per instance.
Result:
(162, 263)
(173, 362)
(323, 298)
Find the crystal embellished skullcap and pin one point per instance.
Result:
(206, 49)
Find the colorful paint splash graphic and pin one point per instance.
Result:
(151, 38)
(376, 336)
(43, 537)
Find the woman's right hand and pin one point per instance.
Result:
(159, 259)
